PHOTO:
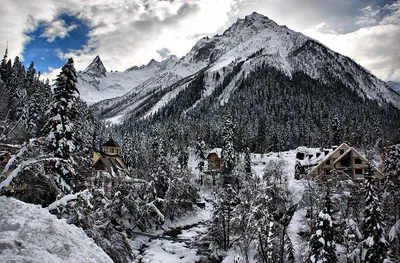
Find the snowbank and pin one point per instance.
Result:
(29, 233)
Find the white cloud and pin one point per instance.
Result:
(126, 33)
(374, 47)
(369, 16)
(57, 28)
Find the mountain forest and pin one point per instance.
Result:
(217, 156)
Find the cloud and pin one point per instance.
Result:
(126, 33)
(369, 16)
(374, 47)
(130, 34)
(57, 28)
(164, 52)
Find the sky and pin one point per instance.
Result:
(125, 33)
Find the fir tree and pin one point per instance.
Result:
(4, 71)
(290, 252)
(322, 243)
(392, 198)
(335, 130)
(228, 151)
(247, 163)
(374, 241)
(127, 149)
(62, 114)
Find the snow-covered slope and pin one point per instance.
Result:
(96, 84)
(29, 233)
(250, 42)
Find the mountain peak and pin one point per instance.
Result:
(96, 67)
(256, 16)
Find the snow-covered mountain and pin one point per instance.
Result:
(244, 47)
(95, 83)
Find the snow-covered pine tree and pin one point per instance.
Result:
(180, 195)
(374, 243)
(4, 72)
(228, 150)
(322, 244)
(127, 152)
(62, 114)
(290, 252)
(247, 164)
(16, 90)
(335, 131)
(221, 225)
(30, 79)
(392, 198)
(34, 108)
(161, 174)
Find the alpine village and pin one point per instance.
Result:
(259, 145)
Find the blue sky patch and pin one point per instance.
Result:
(43, 49)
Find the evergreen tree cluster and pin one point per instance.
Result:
(23, 101)
(274, 112)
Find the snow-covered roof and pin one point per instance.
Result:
(349, 149)
(111, 143)
(327, 157)
(217, 151)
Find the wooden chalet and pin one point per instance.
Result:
(214, 160)
(347, 159)
(108, 167)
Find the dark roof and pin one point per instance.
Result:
(111, 143)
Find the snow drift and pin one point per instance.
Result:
(29, 233)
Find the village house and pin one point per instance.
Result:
(346, 159)
(214, 160)
(108, 167)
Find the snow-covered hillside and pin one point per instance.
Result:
(29, 233)
(95, 83)
(250, 42)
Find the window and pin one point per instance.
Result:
(111, 150)
(328, 162)
(358, 171)
(344, 163)
(357, 161)
(106, 150)
(341, 152)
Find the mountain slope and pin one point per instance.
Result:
(252, 42)
(96, 84)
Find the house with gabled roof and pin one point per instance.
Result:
(214, 160)
(108, 167)
(348, 160)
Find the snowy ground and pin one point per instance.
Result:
(177, 241)
(181, 246)
(29, 233)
